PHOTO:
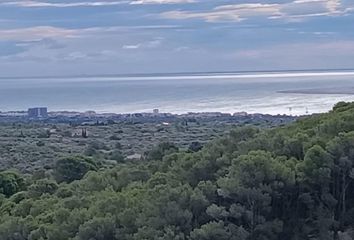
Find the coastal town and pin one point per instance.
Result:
(40, 137)
(41, 114)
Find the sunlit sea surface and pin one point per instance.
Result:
(252, 93)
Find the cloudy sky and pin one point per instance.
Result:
(70, 37)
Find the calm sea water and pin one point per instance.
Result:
(253, 94)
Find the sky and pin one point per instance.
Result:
(93, 37)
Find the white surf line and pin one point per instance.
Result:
(273, 75)
(235, 76)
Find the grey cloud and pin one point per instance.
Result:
(35, 33)
(9, 49)
(239, 12)
(45, 33)
(32, 4)
(136, 46)
(146, 45)
(42, 4)
(300, 52)
(162, 1)
(47, 43)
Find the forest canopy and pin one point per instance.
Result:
(292, 182)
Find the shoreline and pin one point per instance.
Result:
(349, 91)
(193, 75)
(190, 73)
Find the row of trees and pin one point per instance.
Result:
(294, 182)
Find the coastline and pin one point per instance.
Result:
(321, 91)
(93, 118)
(307, 72)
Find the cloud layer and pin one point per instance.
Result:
(130, 36)
(42, 4)
(298, 9)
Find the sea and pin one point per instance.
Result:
(182, 93)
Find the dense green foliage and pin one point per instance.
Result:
(10, 183)
(73, 168)
(294, 182)
(28, 147)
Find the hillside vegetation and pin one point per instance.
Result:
(293, 182)
(28, 147)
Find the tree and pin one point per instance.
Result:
(161, 150)
(117, 156)
(73, 168)
(195, 147)
(98, 229)
(316, 167)
(11, 183)
(211, 231)
(341, 150)
(42, 186)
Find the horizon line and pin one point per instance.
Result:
(224, 74)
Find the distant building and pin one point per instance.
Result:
(156, 111)
(240, 114)
(39, 112)
(135, 156)
(89, 113)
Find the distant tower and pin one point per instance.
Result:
(156, 111)
(307, 111)
(38, 112)
(290, 110)
(84, 133)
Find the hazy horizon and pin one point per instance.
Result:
(253, 93)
